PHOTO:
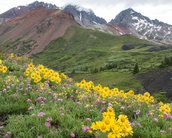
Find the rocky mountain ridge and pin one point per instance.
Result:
(126, 22)
(21, 10)
(143, 27)
(85, 17)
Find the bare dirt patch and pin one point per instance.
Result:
(159, 80)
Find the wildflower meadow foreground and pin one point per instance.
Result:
(38, 102)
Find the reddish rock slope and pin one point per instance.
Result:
(40, 25)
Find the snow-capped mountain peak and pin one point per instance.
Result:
(21, 10)
(144, 27)
(83, 16)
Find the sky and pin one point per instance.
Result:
(108, 9)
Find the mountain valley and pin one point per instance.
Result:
(74, 40)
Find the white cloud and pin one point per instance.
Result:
(108, 9)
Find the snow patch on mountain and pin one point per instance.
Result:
(80, 16)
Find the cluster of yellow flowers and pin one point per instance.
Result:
(115, 92)
(145, 98)
(115, 127)
(3, 68)
(88, 86)
(11, 55)
(164, 108)
(106, 91)
(103, 91)
(38, 73)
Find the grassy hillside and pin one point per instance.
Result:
(83, 51)
(82, 47)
